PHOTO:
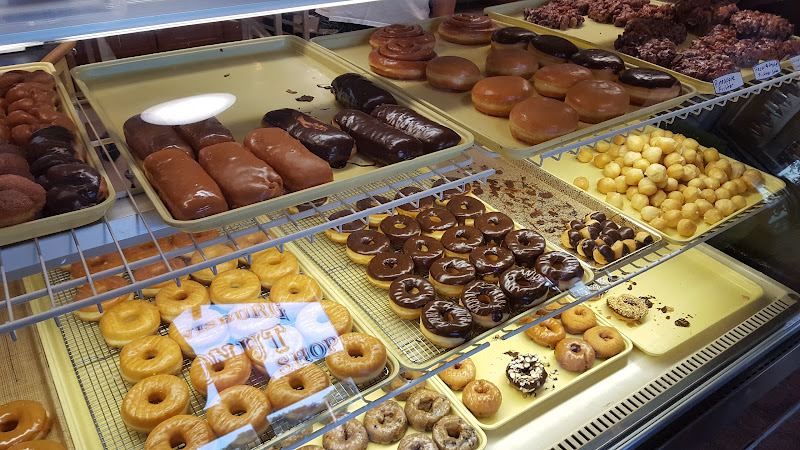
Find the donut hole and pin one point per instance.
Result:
(181, 295)
(426, 405)
(10, 425)
(412, 290)
(294, 291)
(435, 219)
(155, 398)
(575, 347)
(296, 384)
(492, 257)
(355, 352)
(150, 354)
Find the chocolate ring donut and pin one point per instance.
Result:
(524, 287)
(423, 250)
(450, 193)
(562, 269)
(491, 262)
(486, 302)
(408, 294)
(371, 202)
(434, 222)
(494, 226)
(526, 245)
(449, 275)
(446, 324)
(462, 240)
(386, 267)
(399, 228)
(362, 245)
(341, 236)
(408, 208)
(465, 208)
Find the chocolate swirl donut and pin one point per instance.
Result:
(460, 241)
(423, 250)
(411, 291)
(434, 222)
(486, 302)
(490, 262)
(524, 287)
(494, 226)
(368, 242)
(446, 319)
(452, 271)
(465, 208)
(562, 269)
(526, 245)
(399, 228)
(389, 266)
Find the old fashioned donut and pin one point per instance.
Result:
(387, 267)
(239, 406)
(486, 302)
(434, 222)
(205, 276)
(154, 400)
(449, 275)
(271, 264)
(491, 262)
(524, 287)
(526, 245)
(469, 29)
(292, 386)
(511, 61)
(96, 265)
(606, 341)
(399, 228)
(410, 209)
(401, 59)
(453, 432)
(274, 347)
(561, 269)
(159, 268)
(403, 379)
(496, 96)
(219, 368)
(575, 355)
(494, 226)
(578, 319)
(547, 333)
(386, 423)
(361, 359)
(350, 435)
(22, 421)
(465, 208)
(597, 101)
(408, 294)
(129, 320)
(322, 322)
(148, 356)
(172, 299)
(424, 408)
(628, 307)
(452, 73)
(554, 80)
(340, 237)
(511, 37)
(482, 398)
(295, 288)
(423, 250)
(246, 320)
(235, 286)
(526, 372)
(412, 33)
(550, 49)
(189, 431)
(417, 441)
(92, 313)
(363, 245)
(198, 329)
(457, 376)
(460, 241)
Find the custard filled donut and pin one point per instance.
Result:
(417, 441)
(373, 202)
(154, 400)
(526, 372)
(148, 356)
(424, 408)
(269, 348)
(547, 333)
(292, 386)
(486, 302)
(454, 432)
(387, 267)
(460, 241)
(597, 101)
(511, 37)
(246, 320)
(219, 368)
(496, 96)
(272, 264)
(408, 294)
(575, 355)
(434, 222)
(361, 359)
(386, 423)
(524, 287)
(447, 194)
(561, 269)
(92, 313)
(649, 86)
(578, 319)
(152, 270)
(482, 398)
(127, 321)
(457, 376)
(513, 62)
(550, 49)
(491, 262)
(465, 209)
(409, 33)
(235, 286)
(464, 28)
(452, 73)
(198, 329)
(189, 431)
(350, 435)
(627, 307)
(449, 275)
(554, 81)
(403, 379)
(401, 59)
(399, 228)
(239, 406)
(604, 64)
(445, 324)
(494, 226)
(96, 265)
(606, 341)
(147, 250)
(172, 299)
(295, 288)
(340, 237)
(23, 421)
(526, 245)
(423, 250)
(539, 119)
(410, 209)
(205, 276)
(324, 321)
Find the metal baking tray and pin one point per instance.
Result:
(602, 35)
(72, 219)
(491, 132)
(264, 74)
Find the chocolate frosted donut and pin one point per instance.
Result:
(604, 65)
(446, 324)
(462, 240)
(386, 267)
(335, 235)
(465, 208)
(399, 228)
(363, 245)
(372, 202)
(486, 302)
(494, 226)
(408, 294)
(526, 245)
(434, 222)
(449, 275)
(408, 208)
(551, 49)
(526, 372)
(450, 193)
(562, 269)
(491, 261)
(511, 37)
(423, 250)
(524, 287)
(649, 86)
(307, 205)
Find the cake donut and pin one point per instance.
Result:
(526, 246)
(386, 423)
(627, 307)
(409, 209)
(434, 222)
(373, 202)
(575, 355)
(469, 29)
(550, 49)
(526, 372)
(362, 358)
(92, 313)
(486, 302)
(23, 421)
(408, 294)
(465, 209)
(452, 73)
(482, 398)
(524, 287)
(403, 379)
(491, 262)
(649, 86)
(237, 407)
(423, 250)
(154, 400)
(417, 441)
(340, 237)
(547, 333)
(349, 435)
(494, 226)
(454, 432)
(399, 228)
(561, 269)
(578, 319)
(445, 324)
(457, 376)
(128, 321)
(411, 33)
(363, 245)
(460, 241)
(219, 368)
(511, 37)
(605, 65)
(386, 267)
(449, 275)
(183, 429)
(424, 408)
(401, 59)
(606, 341)
(148, 356)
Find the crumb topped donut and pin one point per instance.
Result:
(526, 373)
(627, 307)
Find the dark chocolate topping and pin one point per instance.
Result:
(447, 319)
(356, 92)
(606, 252)
(597, 215)
(494, 226)
(574, 237)
(348, 227)
(526, 245)
(587, 247)
(558, 266)
(576, 224)
(366, 203)
(434, 136)
(491, 260)
(647, 78)
(462, 239)
(465, 207)
(423, 250)
(626, 233)
(512, 35)
(485, 300)
(388, 266)
(368, 242)
(452, 271)
(402, 291)
(612, 233)
(595, 58)
(307, 205)
(436, 220)
(554, 46)
(322, 139)
(376, 140)
(608, 224)
(399, 228)
(523, 286)
(424, 202)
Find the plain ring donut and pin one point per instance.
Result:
(239, 406)
(172, 299)
(606, 341)
(190, 431)
(154, 400)
(22, 421)
(482, 398)
(362, 358)
(220, 368)
(148, 356)
(128, 321)
(578, 319)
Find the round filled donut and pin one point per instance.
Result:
(605, 65)
(445, 324)
(424, 408)
(23, 421)
(401, 59)
(408, 294)
(410, 33)
(554, 81)
(237, 407)
(511, 37)
(513, 62)
(469, 29)
(452, 73)
(181, 430)
(496, 96)
(219, 368)
(128, 321)
(550, 49)
(648, 86)
(362, 358)
(606, 341)
(148, 356)
(154, 400)
(597, 101)
(92, 313)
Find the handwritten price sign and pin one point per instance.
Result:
(728, 82)
(767, 69)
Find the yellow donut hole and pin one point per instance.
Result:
(712, 216)
(606, 185)
(611, 170)
(639, 201)
(601, 160)
(584, 155)
(647, 186)
(658, 198)
(725, 206)
(615, 199)
(686, 228)
(672, 217)
(739, 202)
(582, 183)
(703, 205)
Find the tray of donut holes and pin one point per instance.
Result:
(528, 373)
(679, 187)
(51, 179)
(280, 83)
(262, 337)
(539, 122)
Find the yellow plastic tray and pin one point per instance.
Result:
(696, 286)
(491, 132)
(491, 365)
(73, 219)
(263, 74)
(602, 35)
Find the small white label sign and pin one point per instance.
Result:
(728, 82)
(767, 69)
(795, 62)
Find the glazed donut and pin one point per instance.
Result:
(127, 321)
(295, 288)
(627, 307)
(154, 400)
(239, 406)
(491, 262)
(386, 423)
(401, 59)
(274, 347)
(387, 267)
(465, 28)
(408, 294)
(246, 320)
(23, 421)
(417, 441)
(578, 319)
(526, 245)
(189, 431)
(410, 33)
(290, 387)
(649, 86)
(147, 250)
(604, 64)
(457, 376)
(424, 408)
(547, 333)
(271, 264)
(575, 355)
(350, 435)
(403, 379)
(465, 209)
(486, 302)
(597, 101)
(511, 37)
(340, 237)
(152, 270)
(362, 358)
(540, 119)
(399, 228)
(460, 241)
(554, 80)
(374, 201)
(606, 341)
(550, 49)
(250, 240)
(447, 194)
(449, 275)
(558, 304)
(96, 265)
(235, 286)
(526, 372)
(184, 240)
(323, 321)
(452, 73)
(524, 287)
(561, 269)
(434, 222)
(409, 209)
(172, 299)
(454, 432)
(423, 250)
(219, 368)
(363, 245)
(148, 356)
(512, 62)
(494, 226)
(205, 276)
(92, 313)
(482, 398)
(496, 96)
(37, 445)
(198, 329)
